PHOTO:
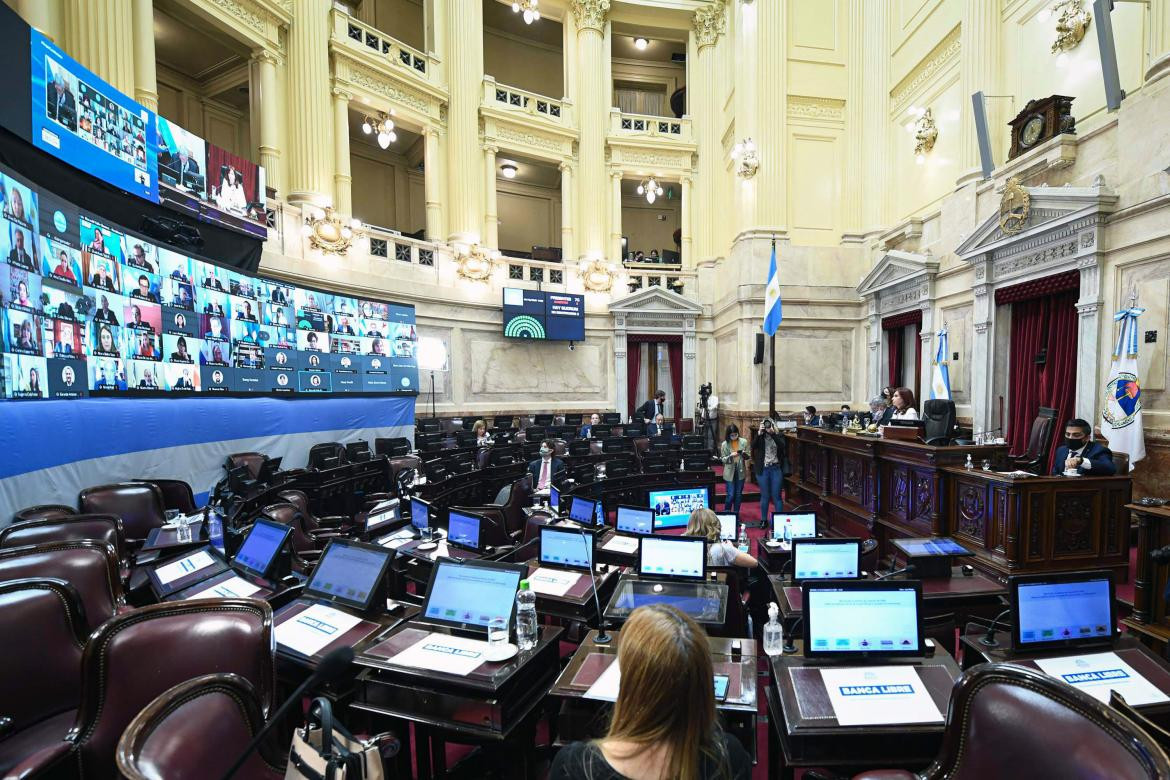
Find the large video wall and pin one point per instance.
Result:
(90, 308)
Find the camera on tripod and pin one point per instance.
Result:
(704, 394)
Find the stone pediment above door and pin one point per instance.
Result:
(894, 268)
(655, 307)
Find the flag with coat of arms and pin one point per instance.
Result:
(773, 314)
(940, 378)
(1121, 410)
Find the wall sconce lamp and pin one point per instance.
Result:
(474, 262)
(747, 158)
(327, 231)
(925, 134)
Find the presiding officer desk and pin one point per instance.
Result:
(868, 486)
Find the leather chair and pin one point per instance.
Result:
(90, 568)
(43, 512)
(938, 415)
(1010, 722)
(102, 528)
(1160, 735)
(313, 523)
(138, 504)
(44, 622)
(306, 545)
(1035, 458)
(596, 447)
(329, 449)
(176, 494)
(196, 730)
(253, 460)
(941, 628)
(560, 448)
(1121, 462)
(580, 447)
(392, 447)
(511, 501)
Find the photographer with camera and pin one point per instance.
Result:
(769, 464)
(707, 416)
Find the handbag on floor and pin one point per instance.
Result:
(325, 750)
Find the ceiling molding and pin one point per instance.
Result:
(942, 55)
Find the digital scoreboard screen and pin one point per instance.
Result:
(546, 316)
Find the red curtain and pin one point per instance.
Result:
(674, 354)
(894, 339)
(633, 368)
(217, 157)
(1048, 324)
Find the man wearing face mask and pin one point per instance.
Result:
(1079, 453)
(544, 468)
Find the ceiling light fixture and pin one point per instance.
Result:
(651, 189)
(383, 126)
(528, 8)
(641, 43)
(509, 169)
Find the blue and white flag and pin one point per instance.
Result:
(772, 310)
(940, 378)
(1121, 409)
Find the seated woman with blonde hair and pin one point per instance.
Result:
(720, 552)
(663, 725)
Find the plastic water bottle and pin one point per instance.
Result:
(525, 617)
(215, 529)
(773, 632)
(969, 464)
(742, 543)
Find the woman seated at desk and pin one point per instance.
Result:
(903, 403)
(481, 434)
(720, 552)
(663, 723)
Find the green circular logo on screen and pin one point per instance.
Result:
(59, 221)
(524, 327)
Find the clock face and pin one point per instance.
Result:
(1032, 130)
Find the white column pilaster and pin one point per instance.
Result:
(342, 177)
(567, 254)
(591, 19)
(266, 104)
(615, 218)
(465, 209)
(688, 212)
(979, 70)
(42, 15)
(145, 83)
(310, 149)
(1158, 64)
(432, 183)
(857, 79)
(877, 211)
(982, 352)
(100, 34)
(491, 231)
(702, 105)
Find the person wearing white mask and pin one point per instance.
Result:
(545, 468)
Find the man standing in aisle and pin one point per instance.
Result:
(652, 408)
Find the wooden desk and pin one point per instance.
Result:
(165, 541)
(773, 559)
(580, 718)
(1128, 649)
(496, 704)
(578, 604)
(411, 565)
(1150, 620)
(803, 730)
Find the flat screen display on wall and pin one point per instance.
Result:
(89, 308)
(533, 314)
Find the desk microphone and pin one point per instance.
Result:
(602, 638)
(988, 639)
(789, 647)
(907, 569)
(332, 666)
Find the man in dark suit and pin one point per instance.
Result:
(19, 256)
(59, 104)
(1078, 453)
(587, 429)
(546, 467)
(652, 408)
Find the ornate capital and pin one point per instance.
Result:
(490, 149)
(345, 95)
(265, 57)
(709, 23)
(590, 14)
(565, 167)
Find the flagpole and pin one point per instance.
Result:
(772, 360)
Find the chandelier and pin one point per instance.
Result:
(528, 8)
(651, 189)
(383, 125)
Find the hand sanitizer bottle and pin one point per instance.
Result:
(773, 632)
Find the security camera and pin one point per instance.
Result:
(572, 346)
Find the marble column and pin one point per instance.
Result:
(42, 15)
(591, 17)
(877, 211)
(770, 210)
(145, 83)
(855, 126)
(491, 221)
(615, 218)
(310, 153)
(433, 184)
(687, 245)
(100, 34)
(465, 209)
(342, 177)
(703, 107)
(1089, 304)
(982, 350)
(1159, 62)
(266, 103)
(567, 212)
(978, 70)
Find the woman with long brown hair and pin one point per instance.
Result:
(903, 403)
(663, 725)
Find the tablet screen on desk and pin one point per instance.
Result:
(261, 546)
(469, 594)
(348, 573)
(567, 547)
(824, 559)
(939, 545)
(582, 510)
(789, 526)
(635, 520)
(554, 498)
(1062, 610)
(672, 557)
(420, 513)
(862, 618)
(728, 527)
(721, 683)
(672, 508)
(463, 529)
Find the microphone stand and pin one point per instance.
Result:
(988, 639)
(602, 638)
(789, 647)
(908, 569)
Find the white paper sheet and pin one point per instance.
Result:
(440, 552)
(1100, 673)
(552, 582)
(879, 695)
(234, 588)
(396, 539)
(181, 568)
(444, 653)
(606, 687)
(623, 544)
(314, 628)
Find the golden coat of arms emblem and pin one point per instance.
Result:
(1014, 207)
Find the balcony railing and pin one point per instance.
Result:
(501, 96)
(393, 50)
(653, 126)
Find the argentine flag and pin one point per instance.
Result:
(1121, 413)
(940, 379)
(772, 311)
